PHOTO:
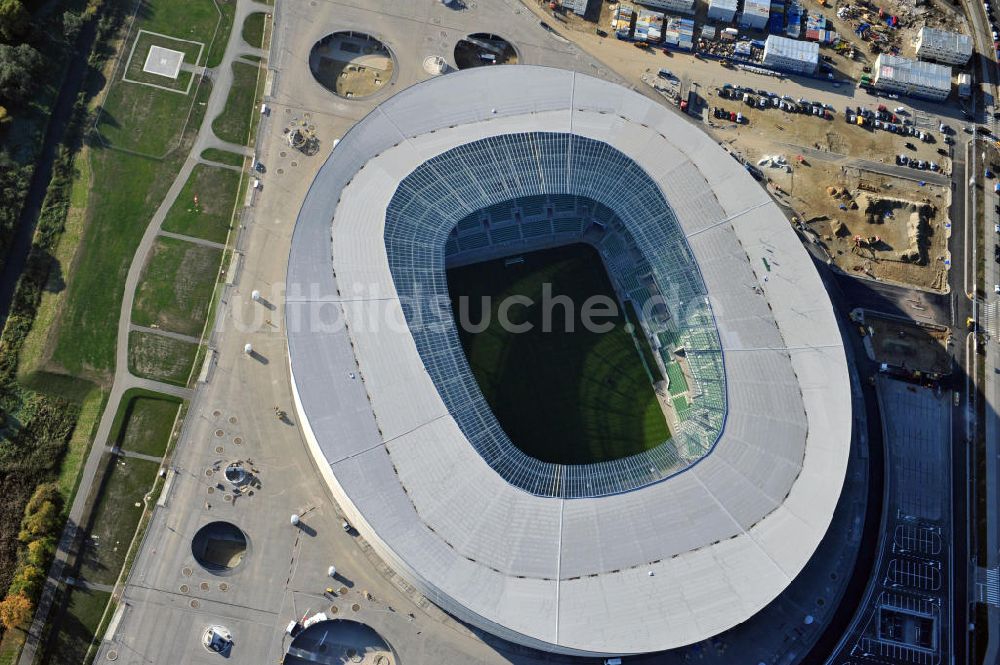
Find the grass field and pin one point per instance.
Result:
(223, 157)
(571, 396)
(208, 218)
(253, 29)
(126, 192)
(147, 424)
(78, 620)
(147, 120)
(176, 286)
(234, 123)
(160, 358)
(115, 516)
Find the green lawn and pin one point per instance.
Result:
(253, 29)
(176, 286)
(125, 193)
(79, 613)
(160, 358)
(234, 123)
(223, 157)
(146, 424)
(572, 396)
(148, 120)
(218, 49)
(115, 517)
(209, 218)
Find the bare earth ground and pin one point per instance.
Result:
(908, 346)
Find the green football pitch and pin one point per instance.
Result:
(566, 395)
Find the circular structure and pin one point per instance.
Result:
(237, 474)
(351, 65)
(339, 641)
(483, 48)
(435, 65)
(219, 547)
(645, 552)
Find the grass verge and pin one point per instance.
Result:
(160, 358)
(176, 283)
(115, 516)
(204, 207)
(223, 157)
(234, 123)
(147, 425)
(80, 612)
(253, 29)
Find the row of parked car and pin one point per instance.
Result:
(722, 114)
(763, 99)
(903, 160)
(884, 119)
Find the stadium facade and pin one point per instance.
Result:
(640, 554)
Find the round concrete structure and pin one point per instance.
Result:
(645, 554)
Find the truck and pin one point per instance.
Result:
(690, 105)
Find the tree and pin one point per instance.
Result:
(41, 550)
(46, 492)
(72, 24)
(19, 67)
(14, 20)
(40, 523)
(15, 611)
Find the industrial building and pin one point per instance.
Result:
(649, 26)
(756, 14)
(661, 549)
(621, 21)
(916, 78)
(722, 10)
(577, 6)
(791, 55)
(950, 48)
(677, 6)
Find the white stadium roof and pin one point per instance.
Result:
(722, 537)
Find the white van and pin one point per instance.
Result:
(612, 661)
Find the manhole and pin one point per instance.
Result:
(280, 171)
(223, 586)
(186, 571)
(238, 441)
(283, 153)
(219, 432)
(227, 498)
(334, 609)
(219, 547)
(211, 490)
(342, 590)
(209, 472)
(184, 588)
(219, 449)
(295, 163)
(195, 604)
(112, 655)
(355, 607)
(204, 586)
(232, 420)
(217, 413)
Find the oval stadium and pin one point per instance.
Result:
(592, 492)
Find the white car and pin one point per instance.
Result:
(996, 288)
(892, 95)
(996, 227)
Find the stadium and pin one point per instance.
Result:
(676, 475)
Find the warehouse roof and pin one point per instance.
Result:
(943, 40)
(913, 72)
(795, 49)
(659, 566)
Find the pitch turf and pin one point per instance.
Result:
(569, 395)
